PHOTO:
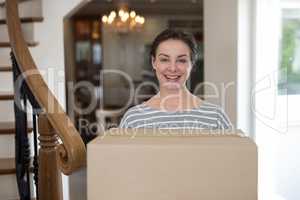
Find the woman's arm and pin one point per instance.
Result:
(223, 120)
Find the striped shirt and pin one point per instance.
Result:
(206, 116)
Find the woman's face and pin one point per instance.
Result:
(172, 64)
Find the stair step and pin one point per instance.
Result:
(27, 9)
(7, 148)
(6, 96)
(6, 83)
(9, 188)
(2, 3)
(5, 55)
(7, 166)
(28, 30)
(30, 44)
(26, 20)
(7, 128)
(8, 183)
(7, 107)
(5, 68)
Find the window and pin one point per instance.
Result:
(289, 72)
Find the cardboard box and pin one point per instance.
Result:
(135, 164)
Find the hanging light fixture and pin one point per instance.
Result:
(123, 21)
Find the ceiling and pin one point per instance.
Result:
(144, 7)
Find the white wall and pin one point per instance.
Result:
(49, 55)
(246, 63)
(221, 54)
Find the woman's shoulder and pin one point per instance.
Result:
(209, 108)
(219, 112)
(131, 112)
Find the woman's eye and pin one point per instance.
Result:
(163, 60)
(182, 61)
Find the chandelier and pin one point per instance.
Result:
(123, 21)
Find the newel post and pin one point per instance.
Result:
(49, 181)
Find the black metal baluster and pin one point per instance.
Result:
(22, 151)
(26, 146)
(35, 158)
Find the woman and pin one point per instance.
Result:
(173, 54)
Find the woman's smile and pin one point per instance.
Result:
(172, 78)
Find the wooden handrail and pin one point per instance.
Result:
(72, 151)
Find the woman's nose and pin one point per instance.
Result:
(172, 67)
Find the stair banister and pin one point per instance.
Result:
(72, 151)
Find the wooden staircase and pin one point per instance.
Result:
(8, 186)
(59, 146)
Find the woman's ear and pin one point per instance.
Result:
(153, 62)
